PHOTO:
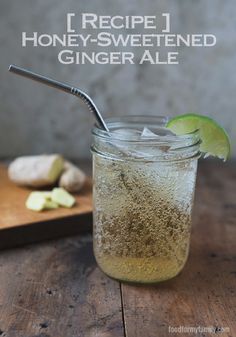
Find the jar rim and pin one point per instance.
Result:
(134, 121)
(161, 148)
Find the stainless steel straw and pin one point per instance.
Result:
(64, 87)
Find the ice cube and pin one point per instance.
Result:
(127, 134)
(159, 133)
(148, 133)
(139, 149)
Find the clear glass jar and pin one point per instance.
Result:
(143, 197)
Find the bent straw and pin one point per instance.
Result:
(64, 87)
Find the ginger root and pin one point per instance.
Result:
(36, 171)
(72, 178)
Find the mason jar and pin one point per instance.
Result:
(144, 180)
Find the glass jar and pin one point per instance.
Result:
(144, 180)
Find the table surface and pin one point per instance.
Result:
(55, 289)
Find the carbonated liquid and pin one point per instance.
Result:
(142, 217)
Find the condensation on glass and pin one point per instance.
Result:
(143, 197)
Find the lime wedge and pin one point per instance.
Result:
(214, 139)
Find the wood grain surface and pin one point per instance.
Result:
(55, 289)
(19, 225)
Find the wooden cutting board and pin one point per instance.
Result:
(18, 225)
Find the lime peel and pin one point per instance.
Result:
(214, 139)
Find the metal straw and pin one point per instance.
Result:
(64, 87)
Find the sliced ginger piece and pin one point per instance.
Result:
(35, 201)
(49, 204)
(62, 197)
(38, 201)
(46, 194)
